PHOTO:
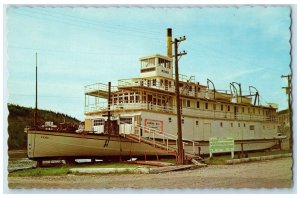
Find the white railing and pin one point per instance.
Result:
(128, 106)
(154, 134)
(185, 111)
(99, 87)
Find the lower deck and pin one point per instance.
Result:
(193, 128)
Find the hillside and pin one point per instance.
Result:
(19, 117)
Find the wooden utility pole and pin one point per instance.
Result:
(288, 92)
(36, 92)
(180, 158)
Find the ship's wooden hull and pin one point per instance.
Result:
(54, 145)
(49, 144)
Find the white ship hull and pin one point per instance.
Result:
(50, 144)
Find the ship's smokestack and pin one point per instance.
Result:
(169, 42)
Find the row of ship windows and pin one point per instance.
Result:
(99, 122)
(188, 104)
(251, 127)
(226, 108)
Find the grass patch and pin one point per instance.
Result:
(65, 169)
(220, 159)
(217, 160)
(40, 172)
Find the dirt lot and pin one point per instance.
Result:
(264, 174)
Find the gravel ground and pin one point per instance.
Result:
(263, 174)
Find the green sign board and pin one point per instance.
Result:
(221, 144)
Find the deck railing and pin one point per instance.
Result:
(99, 87)
(185, 111)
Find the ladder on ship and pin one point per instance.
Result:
(160, 140)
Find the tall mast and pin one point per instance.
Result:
(36, 92)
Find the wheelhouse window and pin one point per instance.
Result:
(206, 105)
(198, 104)
(221, 107)
(150, 62)
(164, 63)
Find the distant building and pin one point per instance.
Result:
(284, 117)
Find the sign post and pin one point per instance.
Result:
(221, 145)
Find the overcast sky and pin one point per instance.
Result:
(81, 46)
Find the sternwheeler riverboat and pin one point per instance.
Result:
(138, 118)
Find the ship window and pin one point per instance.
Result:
(98, 122)
(126, 120)
(188, 103)
(198, 104)
(231, 124)
(183, 103)
(197, 122)
(251, 127)
(148, 62)
(163, 63)
(126, 99)
(221, 124)
(131, 99)
(228, 108)
(221, 107)
(154, 82)
(206, 105)
(214, 106)
(182, 121)
(159, 102)
(170, 119)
